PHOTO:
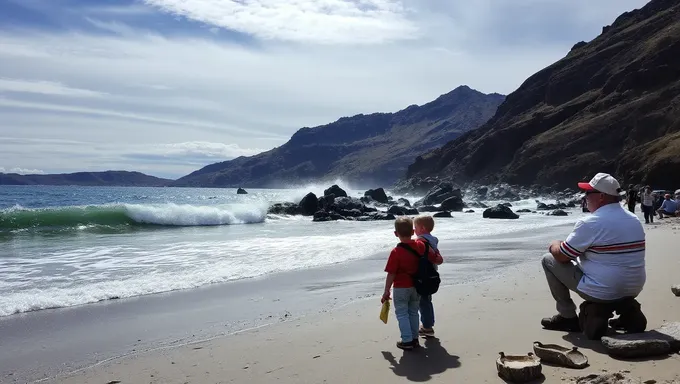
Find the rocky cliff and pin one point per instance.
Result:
(108, 178)
(366, 149)
(610, 105)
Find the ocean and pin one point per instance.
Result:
(69, 246)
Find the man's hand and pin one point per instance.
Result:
(385, 297)
(554, 250)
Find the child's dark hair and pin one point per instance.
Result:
(403, 226)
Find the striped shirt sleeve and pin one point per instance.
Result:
(578, 241)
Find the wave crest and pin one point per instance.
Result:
(121, 215)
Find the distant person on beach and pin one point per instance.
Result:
(401, 266)
(669, 207)
(424, 225)
(647, 204)
(631, 197)
(602, 259)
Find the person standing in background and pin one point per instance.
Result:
(632, 198)
(647, 204)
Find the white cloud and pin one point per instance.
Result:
(44, 87)
(319, 21)
(74, 101)
(202, 149)
(22, 171)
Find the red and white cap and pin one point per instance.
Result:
(602, 182)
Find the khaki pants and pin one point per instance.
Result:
(562, 278)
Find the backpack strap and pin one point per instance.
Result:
(413, 251)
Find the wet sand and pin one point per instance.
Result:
(53, 343)
(475, 321)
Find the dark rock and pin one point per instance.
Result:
(438, 194)
(571, 204)
(401, 211)
(660, 341)
(285, 209)
(470, 211)
(524, 211)
(322, 216)
(428, 208)
(482, 191)
(676, 290)
(442, 214)
(309, 204)
(241, 191)
(506, 205)
(404, 202)
(454, 203)
(347, 203)
(558, 212)
(335, 190)
(349, 213)
(378, 195)
(336, 216)
(326, 201)
(499, 212)
(381, 216)
(367, 200)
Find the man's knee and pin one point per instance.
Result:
(548, 260)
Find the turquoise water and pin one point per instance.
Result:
(65, 246)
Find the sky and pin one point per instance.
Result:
(166, 87)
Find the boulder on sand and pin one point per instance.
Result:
(660, 341)
(442, 214)
(558, 212)
(499, 212)
(378, 195)
(676, 290)
(241, 191)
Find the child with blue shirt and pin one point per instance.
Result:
(423, 226)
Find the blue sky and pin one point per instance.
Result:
(168, 86)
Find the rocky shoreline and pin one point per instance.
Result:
(441, 199)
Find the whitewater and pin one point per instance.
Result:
(69, 246)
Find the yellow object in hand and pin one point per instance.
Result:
(384, 312)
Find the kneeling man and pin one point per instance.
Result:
(602, 259)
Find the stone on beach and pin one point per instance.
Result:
(499, 212)
(660, 341)
(676, 290)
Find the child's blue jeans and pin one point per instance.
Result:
(406, 304)
(427, 311)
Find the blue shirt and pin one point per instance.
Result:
(670, 206)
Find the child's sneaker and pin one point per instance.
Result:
(405, 346)
(426, 332)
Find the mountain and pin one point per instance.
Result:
(611, 105)
(108, 178)
(365, 149)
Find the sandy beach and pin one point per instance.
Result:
(350, 345)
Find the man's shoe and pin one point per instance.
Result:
(426, 332)
(559, 323)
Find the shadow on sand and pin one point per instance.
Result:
(422, 363)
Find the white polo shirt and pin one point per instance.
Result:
(609, 247)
